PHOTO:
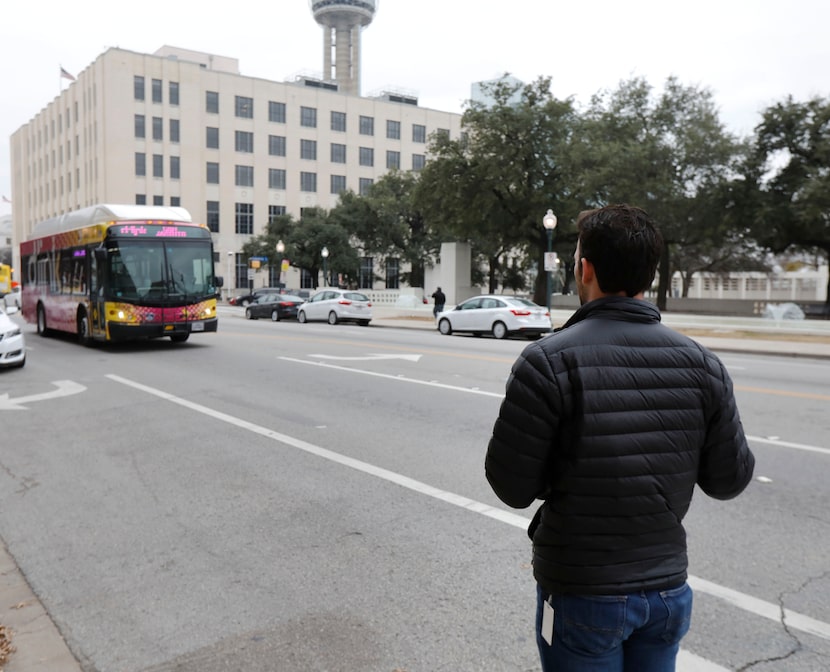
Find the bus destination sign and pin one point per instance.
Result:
(142, 230)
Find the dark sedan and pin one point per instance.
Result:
(276, 306)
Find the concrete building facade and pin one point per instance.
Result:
(186, 128)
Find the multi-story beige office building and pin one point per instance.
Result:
(179, 127)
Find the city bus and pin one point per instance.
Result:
(109, 273)
(5, 279)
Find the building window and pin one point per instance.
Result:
(276, 178)
(364, 184)
(366, 278)
(245, 142)
(212, 211)
(393, 273)
(418, 161)
(338, 153)
(140, 164)
(173, 93)
(393, 160)
(156, 90)
(308, 117)
(244, 107)
(367, 156)
(245, 218)
(338, 121)
(212, 102)
(158, 165)
(141, 199)
(367, 125)
(393, 129)
(275, 211)
(244, 176)
(175, 201)
(306, 281)
(158, 200)
(174, 130)
(212, 137)
(276, 145)
(140, 131)
(308, 149)
(212, 173)
(175, 167)
(419, 133)
(158, 129)
(276, 112)
(138, 88)
(308, 181)
(338, 184)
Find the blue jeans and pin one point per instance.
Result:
(638, 632)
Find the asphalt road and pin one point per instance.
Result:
(307, 497)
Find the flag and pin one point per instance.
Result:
(66, 75)
(6, 200)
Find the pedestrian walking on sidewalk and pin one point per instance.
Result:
(440, 299)
(611, 422)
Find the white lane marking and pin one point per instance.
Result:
(689, 662)
(473, 390)
(395, 377)
(65, 389)
(748, 603)
(789, 444)
(370, 358)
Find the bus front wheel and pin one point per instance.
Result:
(42, 329)
(179, 338)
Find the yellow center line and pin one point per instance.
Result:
(783, 393)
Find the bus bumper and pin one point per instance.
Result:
(119, 331)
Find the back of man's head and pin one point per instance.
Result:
(623, 244)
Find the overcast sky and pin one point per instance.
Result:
(749, 53)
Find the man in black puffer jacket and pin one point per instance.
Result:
(612, 421)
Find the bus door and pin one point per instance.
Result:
(96, 291)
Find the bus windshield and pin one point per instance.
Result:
(160, 271)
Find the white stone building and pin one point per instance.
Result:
(180, 127)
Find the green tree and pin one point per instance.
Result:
(788, 177)
(668, 154)
(492, 186)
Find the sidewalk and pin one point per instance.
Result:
(802, 338)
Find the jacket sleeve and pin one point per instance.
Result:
(726, 462)
(523, 435)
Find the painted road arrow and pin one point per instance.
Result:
(65, 388)
(369, 358)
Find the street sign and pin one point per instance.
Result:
(551, 261)
(261, 260)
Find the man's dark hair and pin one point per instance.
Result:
(623, 244)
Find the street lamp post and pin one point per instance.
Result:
(230, 256)
(325, 254)
(549, 222)
(280, 250)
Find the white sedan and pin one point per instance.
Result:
(496, 314)
(337, 305)
(12, 343)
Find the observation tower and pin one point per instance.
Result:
(342, 21)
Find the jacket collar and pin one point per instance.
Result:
(615, 308)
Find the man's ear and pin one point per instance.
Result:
(586, 271)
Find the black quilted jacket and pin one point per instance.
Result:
(611, 421)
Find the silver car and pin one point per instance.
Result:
(496, 314)
(12, 341)
(337, 305)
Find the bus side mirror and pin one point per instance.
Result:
(218, 280)
(100, 255)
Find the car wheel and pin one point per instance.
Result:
(301, 318)
(179, 338)
(275, 316)
(333, 318)
(42, 329)
(499, 330)
(244, 303)
(445, 327)
(84, 335)
(249, 314)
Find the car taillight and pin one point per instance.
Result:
(519, 313)
(285, 304)
(369, 304)
(344, 302)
